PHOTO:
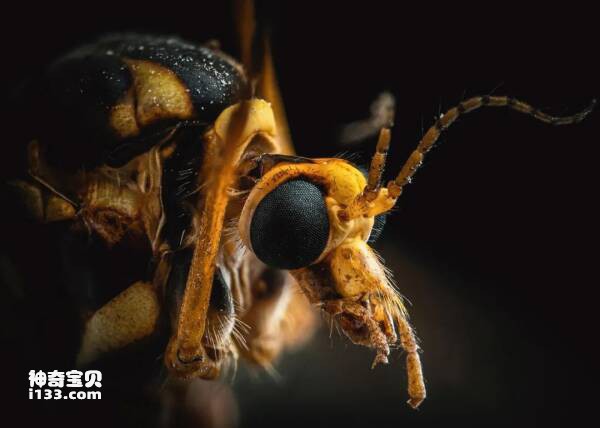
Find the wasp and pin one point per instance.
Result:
(173, 162)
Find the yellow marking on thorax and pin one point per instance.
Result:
(157, 93)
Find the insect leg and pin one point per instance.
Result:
(416, 384)
(353, 286)
(233, 131)
(349, 313)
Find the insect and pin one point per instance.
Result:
(181, 156)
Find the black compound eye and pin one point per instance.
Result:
(290, 226)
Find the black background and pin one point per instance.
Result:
(495, 241)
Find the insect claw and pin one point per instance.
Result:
(415, 402)
(380, 358)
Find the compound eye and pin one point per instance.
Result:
(290, 226)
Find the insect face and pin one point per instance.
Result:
(291, 217)
(293, 220)
(284, 215)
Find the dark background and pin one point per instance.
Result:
(494, 243)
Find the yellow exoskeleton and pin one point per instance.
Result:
(346, 279)
(263, 224)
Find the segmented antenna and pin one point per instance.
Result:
(378, 164)
(433, 133)
(370, 203)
